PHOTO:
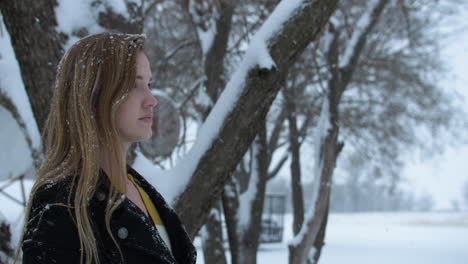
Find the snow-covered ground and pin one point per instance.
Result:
(370, 238)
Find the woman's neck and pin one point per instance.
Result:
(105, 163)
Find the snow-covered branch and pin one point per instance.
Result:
(362, 28)
(232, 124)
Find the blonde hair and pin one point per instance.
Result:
(93, 79)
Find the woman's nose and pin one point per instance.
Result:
(151, 101)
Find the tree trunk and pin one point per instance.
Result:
(212, 237)
(299, 253)
(214, 84)
(38, 48)
(247, 254)
(240, 126)
(230, 199)
(244, 230)
(214, 61)
(313, 230)
(251, 235)
(294, 148)
(319, 241)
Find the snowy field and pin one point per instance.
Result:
(384, 238)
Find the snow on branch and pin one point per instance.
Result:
(361, 26)
(204, 17)
(73, 16)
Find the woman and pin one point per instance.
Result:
(87, 205)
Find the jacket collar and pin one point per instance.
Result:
(132, 228)
(182, 246)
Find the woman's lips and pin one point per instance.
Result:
(147, 119)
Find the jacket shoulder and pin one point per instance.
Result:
(50, 221)
(54, 191)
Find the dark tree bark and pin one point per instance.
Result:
(240, 127)
(294, 148)
(214, 61)
(133, 24)
(251, 235)
(5, 239)
(244, 240)
(38, 48)
(319, 241)
(230, 200)
(115, 21)
(212, 239)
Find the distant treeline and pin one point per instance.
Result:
(355, 196)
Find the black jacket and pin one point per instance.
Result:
(51, 235)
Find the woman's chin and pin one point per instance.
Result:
(147, 136)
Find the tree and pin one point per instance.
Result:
(362, 102)
(244, 195)
(47, 49)
(260, 87)
(216, 23)
(243, 206)
(311, 231)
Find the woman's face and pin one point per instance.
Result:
(134, 116)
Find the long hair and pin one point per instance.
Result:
(93, 79)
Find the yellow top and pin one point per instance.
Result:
(148, 204)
